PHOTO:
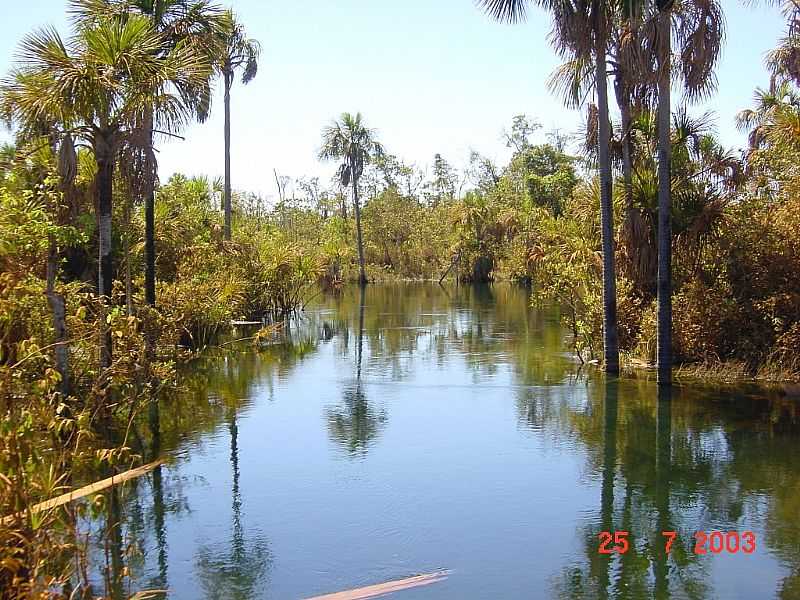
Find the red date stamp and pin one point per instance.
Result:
(714, 542)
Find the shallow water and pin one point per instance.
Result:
(417, 428)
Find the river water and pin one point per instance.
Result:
(414, 428)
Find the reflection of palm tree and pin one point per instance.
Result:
(158, 496)
(663, 467)
(356, 424)
(609, 471)
(361, 298)
(237, 575)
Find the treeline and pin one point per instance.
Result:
(536, 221)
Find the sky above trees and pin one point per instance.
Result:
(432, 77)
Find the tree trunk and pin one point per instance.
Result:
(631, 230)
(627, 158)
(105, 191)
(127, 251)
(150, 234)
(610, 338)
(150, 249)
(227, 201)
(58, 309)
(362, 273)
(664, 357)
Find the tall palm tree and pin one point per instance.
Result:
(700, 29)
(580, 32)
(629, 66)
(238, 53)
(352, 142)
(198, 26)
(67, 83)
(664, 287)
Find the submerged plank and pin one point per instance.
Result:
(374, 591)
(93, 488)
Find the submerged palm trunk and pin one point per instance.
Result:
(227, 200)
(105, 191)
(362, 274)
(664, 358)
(610, 339)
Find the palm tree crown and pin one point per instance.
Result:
(350, 141)
(239, 52)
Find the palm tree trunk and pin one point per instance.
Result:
(150, 237)
(610, 338)
(105, 191)
(58, 308)
(664, 357)
(127, 251)
(362, 273)
(627, 157)
(228, 82)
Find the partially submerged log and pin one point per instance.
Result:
(93, 488)
(374, 591)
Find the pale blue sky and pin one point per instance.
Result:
(430, 76)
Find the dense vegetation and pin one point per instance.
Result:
(108, 279)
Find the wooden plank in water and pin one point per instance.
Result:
(381, 589)
(93, 488)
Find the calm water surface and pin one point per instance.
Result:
(415, 428)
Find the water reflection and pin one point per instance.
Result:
(473, 429)
(236, 568)
(663, 469)
(356, 424)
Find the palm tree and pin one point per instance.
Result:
(782, 60)
(580, 31)
(239, 52)
(197, 25)
(68, 84)
(629, 68)
(352, 142)
(664, 51)
(768, 104)
(700, 33)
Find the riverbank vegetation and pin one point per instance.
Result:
(108, 278)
